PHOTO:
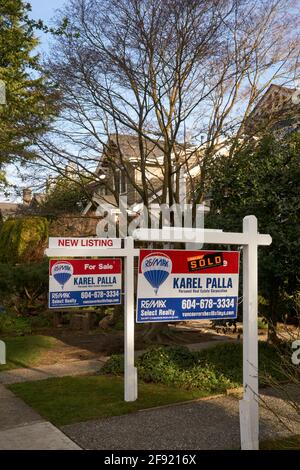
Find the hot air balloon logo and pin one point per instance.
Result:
(62, 272)
(156, 268)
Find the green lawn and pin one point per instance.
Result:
(26, 351)
(74, 399)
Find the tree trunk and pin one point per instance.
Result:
(114, 319)
(273, 315)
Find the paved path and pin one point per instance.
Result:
(205, 424)
(21, 428)
(200, 346)
(82, 367)
(57, 370)
(211, 344)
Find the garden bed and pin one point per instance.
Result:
(212, 370)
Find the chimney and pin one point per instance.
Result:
(27, 196)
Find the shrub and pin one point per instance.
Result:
(10, 324)
(262, 324)
(23, 288)
(224, 359)
(114, 366)
(22, 239)
(228, 359)
(211, 370)
(286, 370)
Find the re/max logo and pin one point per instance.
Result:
(211, 260)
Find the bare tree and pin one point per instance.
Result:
(165, 72)
(179, 76)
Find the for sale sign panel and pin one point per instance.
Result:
(181, 285)
(84, 282)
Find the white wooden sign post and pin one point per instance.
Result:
(130, 371)
(97, 247)
(2, 352)
(249, 239)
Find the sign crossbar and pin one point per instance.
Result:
(187, 235)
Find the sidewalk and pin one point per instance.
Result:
(21, 428)
(211, 423)
(206, 424)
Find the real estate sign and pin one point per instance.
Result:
(180, 285)
(84, 282)
(83, 242)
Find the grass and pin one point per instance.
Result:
(26, 351)
(168, 376)
(287, 443)
(70, 400)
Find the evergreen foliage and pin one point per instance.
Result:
(31, 102)
(263, 179)
(21, 238)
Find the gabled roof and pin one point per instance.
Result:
(273, 107)
(282, 93)
(129, 146)
(8, 209)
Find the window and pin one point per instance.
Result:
(103, 190)
(122, 183)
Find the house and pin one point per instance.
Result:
(276, 112)
(8, 209)
(29, 205)
(120, 172)
(120, 169)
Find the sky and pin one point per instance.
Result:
(44, 10)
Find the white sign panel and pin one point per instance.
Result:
(96, 243)
(84, 282)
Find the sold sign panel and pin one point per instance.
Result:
(84, 282)
(180, 285)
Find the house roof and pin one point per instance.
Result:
(275, 111)
(39, 198)
(273, 92)
(129, 146)
(8, 209)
